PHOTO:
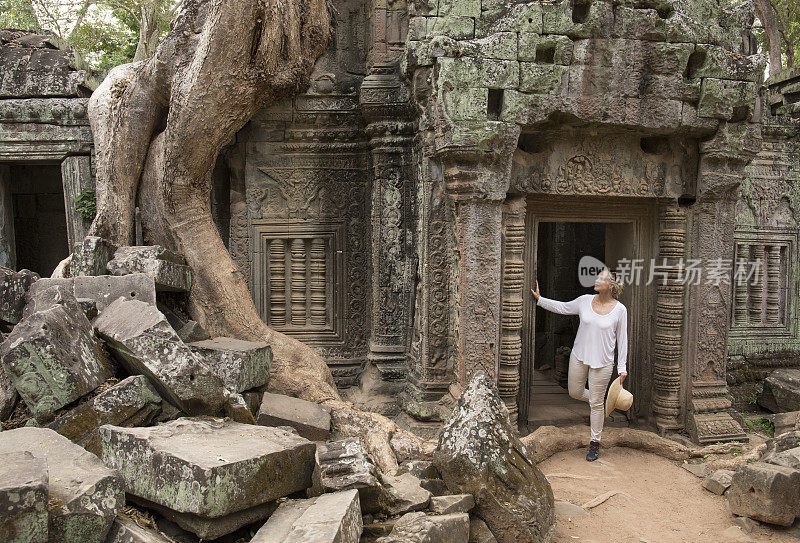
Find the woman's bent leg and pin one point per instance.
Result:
(576, 379)
(598, 382)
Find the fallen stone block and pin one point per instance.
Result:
(330, 518)
(210, 527)
(208, 467)
(13, 287)
(125, 530)
(241, 365)
(8, 395)
(789, 458)
(478, 453)
(145, 343)
(719, 481)
(192, 332)
(84, 495)
(422, 528)
(131, 402)
(479, 532)
(698, 470)
(436, 487)
(734, 534)
(105, 289)
(785, 422)
(781, 391)
(312, 421)
(765, 492)
(236, 409)
(344, 465)
(421, 469)
(51, 357)
(91, 256)
(457, 503)
(746, 524)
(168, 270)
(23, 498)
(404, 494)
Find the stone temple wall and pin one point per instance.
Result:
(765, 330)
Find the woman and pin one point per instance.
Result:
(604, 322)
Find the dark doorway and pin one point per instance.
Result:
(39, 217)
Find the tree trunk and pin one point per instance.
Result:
(767, 16)
(148, 31)
(159, 125)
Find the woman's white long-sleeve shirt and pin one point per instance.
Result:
(597, 334)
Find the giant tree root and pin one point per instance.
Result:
(546, 441)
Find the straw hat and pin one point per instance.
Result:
(618, 398)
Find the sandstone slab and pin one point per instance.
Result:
(719, 481)
(51, 357)
(168, 270)
(478, 453)
(131, 402)
(13, 287)
(457, 503)
(208, 467)
(241, 365)
(479, 532)
(312, 421)
(344, 465)
(23, 498)
(330, 518)
(765, 492)
(404, 494)
(145, 343)
(422, 528)
(105, 289)
(84, 495)
(91, 256)
(781, 391)
(125, 530)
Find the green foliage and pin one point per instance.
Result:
(787, 13)
(760, 425)
(86, 204)
(17, 14)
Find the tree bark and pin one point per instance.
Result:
(148, 31)
(159, 125)
(766, 15)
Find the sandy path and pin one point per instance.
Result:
(667, 504)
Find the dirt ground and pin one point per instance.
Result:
(659, 502)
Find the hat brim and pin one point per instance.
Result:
(613, 394)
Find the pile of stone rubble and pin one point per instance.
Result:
(124, 423)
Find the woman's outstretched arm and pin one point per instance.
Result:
(622, 341)
(564, 308)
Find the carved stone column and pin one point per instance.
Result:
(708, 303)
(386, 108)
(8, 247)
(668, 342)
(76, 176)
(511, 302)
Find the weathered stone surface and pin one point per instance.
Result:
(421, 469)
(124, 530)
(436, 487)
(719, 481)
(422, 528)
(91, 256)
(789, 458)
(8, 394)
(131, 402)
(23, 498)
(457, 503)
(236, 409)
(13, 286)
(144, 341)
(312, 421)
(168, 270)
(208, 467)
(698, 470)
(781, 391)
(785, 422)
(105, 289)
(404, 494)
(210, 527)
(84, 495)
(479, 532)
(51, 357)
(765, 492)
(241, 365)
(479, 454)
(330, 518)
(344, 465)
(779, 444)
(192, 332)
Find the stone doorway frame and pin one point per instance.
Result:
(644, 216)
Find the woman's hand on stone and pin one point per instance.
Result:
(536, 292)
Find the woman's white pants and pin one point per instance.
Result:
(594, 395)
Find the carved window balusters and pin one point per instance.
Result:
(761, 292)
(297, 278)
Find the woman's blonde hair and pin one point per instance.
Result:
(616, 283)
